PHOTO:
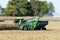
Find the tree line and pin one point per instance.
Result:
(25, 8)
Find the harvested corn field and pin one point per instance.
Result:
(52, 33)
(29, 35)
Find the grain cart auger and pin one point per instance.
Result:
(33, 25)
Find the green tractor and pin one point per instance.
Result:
(33, 25)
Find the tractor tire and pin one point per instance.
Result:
(25, 28)
(43, 28)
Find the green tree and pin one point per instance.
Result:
(35, 6)
(25, 8)
(40, 7)
(13, 7)
(43, 7)
(51, 7)
(29, 9)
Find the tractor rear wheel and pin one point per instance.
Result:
(25, 28)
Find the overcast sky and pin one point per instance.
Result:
(55, 2)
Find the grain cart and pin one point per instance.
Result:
(33, 25)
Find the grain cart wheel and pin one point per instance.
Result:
(25, 28)
(43, 28)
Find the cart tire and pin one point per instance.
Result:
(43, 28)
